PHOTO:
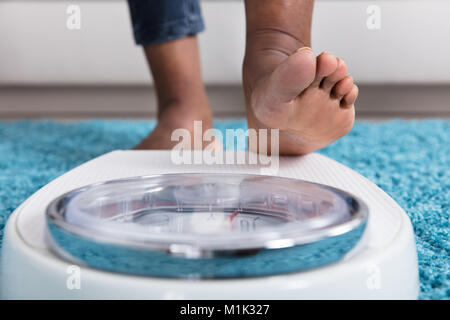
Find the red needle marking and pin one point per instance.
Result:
(235, 213)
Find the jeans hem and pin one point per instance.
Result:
(169, 31)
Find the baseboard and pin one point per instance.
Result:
(140, 101)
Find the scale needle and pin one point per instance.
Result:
(235, 213)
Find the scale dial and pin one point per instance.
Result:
(205, 225)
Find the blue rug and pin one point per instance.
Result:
(410, 160)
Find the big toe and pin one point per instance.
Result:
(292, 76)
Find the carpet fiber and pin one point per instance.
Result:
(410, 160)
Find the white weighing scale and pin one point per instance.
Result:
(133, 225)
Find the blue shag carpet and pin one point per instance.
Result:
(410, 160)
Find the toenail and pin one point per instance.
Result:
(304, 48)
(341, 61)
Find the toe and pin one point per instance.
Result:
(329, 82)
(343, 87)
(349, 99)
(291, 77)
(326, 65)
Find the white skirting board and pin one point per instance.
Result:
(374, 102)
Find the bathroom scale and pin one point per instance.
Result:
(131, 224)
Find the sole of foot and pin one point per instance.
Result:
(309, 99)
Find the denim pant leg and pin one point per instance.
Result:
(156, 21)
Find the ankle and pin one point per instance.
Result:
(280, 24)
(182, 115)
(274, 39)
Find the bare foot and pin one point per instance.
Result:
(311, 100)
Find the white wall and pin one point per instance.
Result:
(412, 46)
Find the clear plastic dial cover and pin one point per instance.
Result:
(209, 211)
